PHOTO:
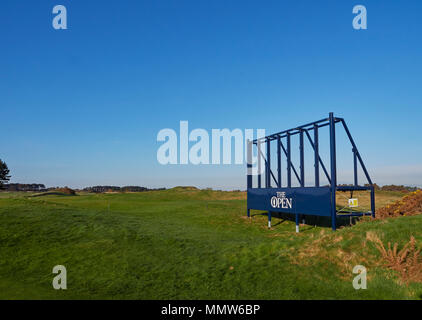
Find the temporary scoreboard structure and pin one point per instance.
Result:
(302, 200)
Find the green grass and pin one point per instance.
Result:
(183, 244)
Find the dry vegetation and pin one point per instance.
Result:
(407, 261)
(409, 205)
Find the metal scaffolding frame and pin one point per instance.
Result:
(322, 197)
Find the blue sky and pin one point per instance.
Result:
(83, 106)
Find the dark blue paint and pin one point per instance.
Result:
(333, 167)
(305, 200)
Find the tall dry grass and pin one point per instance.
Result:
(407, 261)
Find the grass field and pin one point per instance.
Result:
(187, 244)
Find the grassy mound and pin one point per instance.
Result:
(58, 192)
(185, 188)
(65, 190)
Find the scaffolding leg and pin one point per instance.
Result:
(297, 223)
(373, 202)
(333, 185)
(269, 219)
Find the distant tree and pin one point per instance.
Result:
(376, 187)
(4, 174)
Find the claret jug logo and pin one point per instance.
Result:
(280, 201)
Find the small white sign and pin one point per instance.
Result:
(353, 203)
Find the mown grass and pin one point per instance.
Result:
(185, 244)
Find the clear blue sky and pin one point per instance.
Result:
(83, 106)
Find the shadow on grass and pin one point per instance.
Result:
(310, 220)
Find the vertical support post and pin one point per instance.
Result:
(316, 153)
(333, 170)
(249, 165)
(302, 160)
(373, 201)
(258, 144)
(297, 222)
(269, 219)
(279, 161)
(355, 167)
(357, 152)
(289, 167)
(268, 166)
(249, 170)
(302, 170)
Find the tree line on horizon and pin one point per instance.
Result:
(102, 189)
(394, 187)
(39, 187)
